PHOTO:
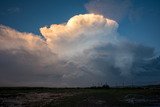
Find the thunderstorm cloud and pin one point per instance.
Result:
(84, 51)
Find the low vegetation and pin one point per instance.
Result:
(79, 97)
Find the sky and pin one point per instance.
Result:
(65, 43)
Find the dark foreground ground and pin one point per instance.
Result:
(78, 97)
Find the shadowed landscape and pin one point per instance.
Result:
(147, 96)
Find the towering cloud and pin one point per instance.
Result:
(85, 50)
(80, 33)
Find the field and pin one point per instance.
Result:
(79, 97)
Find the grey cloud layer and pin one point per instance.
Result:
(114, 9)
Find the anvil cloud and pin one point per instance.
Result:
(84, 51)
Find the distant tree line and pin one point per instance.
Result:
(104, 86)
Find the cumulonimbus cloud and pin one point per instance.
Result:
(80, 52)
(81, 32)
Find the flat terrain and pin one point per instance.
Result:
(79, 97)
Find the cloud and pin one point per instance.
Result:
(13, 10)
(114, 9)
(81, 32)
(84, 51)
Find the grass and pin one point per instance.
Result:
(78, 97)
